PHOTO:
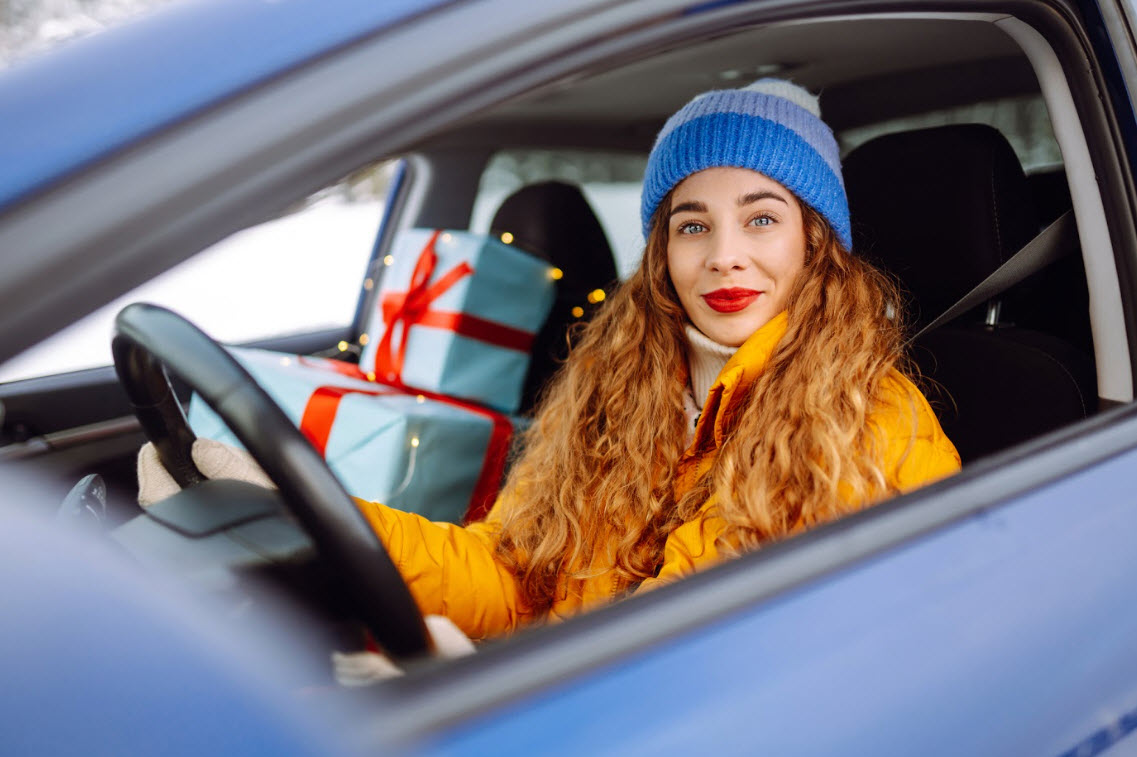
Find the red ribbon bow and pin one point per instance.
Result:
(412, 308)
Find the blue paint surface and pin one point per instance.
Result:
(1012, 632)
(93, 96)
(102, 658)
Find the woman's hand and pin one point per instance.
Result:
(213, 459)
(366, 668)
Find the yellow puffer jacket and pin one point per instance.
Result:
(451, 569)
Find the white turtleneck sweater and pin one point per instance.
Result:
(705, 359)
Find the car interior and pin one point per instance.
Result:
(961, 142)
(939, 196)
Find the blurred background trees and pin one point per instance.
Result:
(29, 26)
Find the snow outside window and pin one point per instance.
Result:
(298, 273)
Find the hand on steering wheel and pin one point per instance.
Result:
(211, 457)
(149, 340)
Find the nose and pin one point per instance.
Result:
(725, 252)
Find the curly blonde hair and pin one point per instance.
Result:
(594, 488)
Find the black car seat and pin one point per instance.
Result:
(554, 220)
(1032, 304)
(942, 208)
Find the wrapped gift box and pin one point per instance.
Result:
(432, 455)
(456, 314)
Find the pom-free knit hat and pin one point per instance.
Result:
(772, 126)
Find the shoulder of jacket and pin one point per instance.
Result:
(899, 401)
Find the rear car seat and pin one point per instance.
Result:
(554, 220)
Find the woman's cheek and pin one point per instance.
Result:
(679, 268)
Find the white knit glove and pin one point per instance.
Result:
(213, 459)
(366, 668)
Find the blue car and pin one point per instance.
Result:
(988, 613)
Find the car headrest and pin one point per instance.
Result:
(941, 208)
(554, 220)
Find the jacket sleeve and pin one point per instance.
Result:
(451, 570)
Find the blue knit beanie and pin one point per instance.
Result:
(773, 127)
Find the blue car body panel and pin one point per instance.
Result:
(100, 658)
(1010, 632)
(61, 112)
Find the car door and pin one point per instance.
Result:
(982, 614)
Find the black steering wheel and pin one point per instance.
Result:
(149, 340)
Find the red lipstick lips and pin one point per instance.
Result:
(730, 300)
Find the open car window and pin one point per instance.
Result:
(298, 273)
(1022, 119)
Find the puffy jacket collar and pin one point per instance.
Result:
(742, 370)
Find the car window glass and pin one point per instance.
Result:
(610, 181)
(298, 273)
(1023, 120)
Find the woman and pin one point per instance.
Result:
(745, 384)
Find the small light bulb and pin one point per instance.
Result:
(420, 398)
(556, 274)
(368, 284)
(446, 238)
(364, 339)
(388, 260)
(286, 361)
(507, 238)
(342, 346)
(371, 376)
(596, 295)
(577, 312)
(414, 441)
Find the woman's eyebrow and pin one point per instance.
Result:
(744, 200)
(693, 206)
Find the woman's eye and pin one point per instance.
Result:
(762, 220)
(691, 227)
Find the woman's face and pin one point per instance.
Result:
(735, 247)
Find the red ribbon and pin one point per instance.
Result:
(320, 413)
(412, 308)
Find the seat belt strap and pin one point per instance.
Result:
(1051, 245)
